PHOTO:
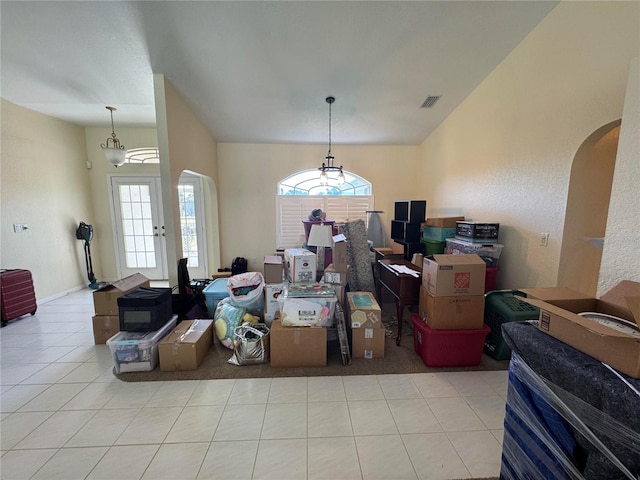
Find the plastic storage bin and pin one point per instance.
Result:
(138, 351)
(502, 306)
(448, 348)
(432, 248)
(214, 292)
(490, 253)
(437, 234)
(321, 294)
(490, 279)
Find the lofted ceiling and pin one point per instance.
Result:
(259, 72)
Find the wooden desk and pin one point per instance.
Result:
(405, 288)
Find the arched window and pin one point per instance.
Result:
(302, 192)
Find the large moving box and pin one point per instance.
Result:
(105, 299)
(615, 343)
(300, 265)
(451, 313)
(297, 346)
(186, 346)
(105, 327)
(448, 275)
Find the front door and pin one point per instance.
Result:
(139, 226)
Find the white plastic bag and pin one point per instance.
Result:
(246, 290)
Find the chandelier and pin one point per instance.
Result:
(115, 154)
(327, 165)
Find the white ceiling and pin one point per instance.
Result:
(259, 72)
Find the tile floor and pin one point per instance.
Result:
(65, 416)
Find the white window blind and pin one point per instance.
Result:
(292, 209)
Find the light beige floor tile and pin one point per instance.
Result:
(455, 415)
(56, 430)
(498, 434)
(125, 462)
(325, 389)
(86, 372)
(288, 390)
(196, 424)
(103, 429)
(18, 425)
(371, 417)
(250, 390)
(434, 457)
(432, 385)
(177, 460)
(80, 354)
(22, 464)
(333, 458)
(362, 387)
(398, 387)
(211, 392)
(52, 373)
(490, 409)
(384, 457)
(285, 420)
(48, 354)
(498, 380)
(468, 383)
(280, 459)
(151, 425)
(229, 461)
(53, 398)
(133, 395)
(173, 394)
(94, 396)
(240, 422)
(330, 419)
(18, 395)
(480, 452)
(70, 464)
(15, 374)
(413, 416)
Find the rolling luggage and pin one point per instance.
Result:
(17, 295)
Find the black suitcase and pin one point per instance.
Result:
(17, 294)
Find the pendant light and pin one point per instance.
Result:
(327, 165)
(115, 154)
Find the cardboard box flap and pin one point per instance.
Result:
(445, 260)
(634, 305)
(125, 284)
(587, 323)
(189, 331)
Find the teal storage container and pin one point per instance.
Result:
(214, 292)
(437, 234)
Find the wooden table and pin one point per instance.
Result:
(405, 288)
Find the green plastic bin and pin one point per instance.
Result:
(502, 306)
(432, 248)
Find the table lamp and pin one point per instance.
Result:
(320, 236)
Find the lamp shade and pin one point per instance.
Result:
(320, 236)
(115, 156)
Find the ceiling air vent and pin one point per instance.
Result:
(430, 101)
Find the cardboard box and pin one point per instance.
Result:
(558, 295)
(300, 265)
(186, 346)
(443, 222)
(451, 313)
(105, 327)
(449, 275)
(298, 346)
(363, 310)
(615, 347)
(273, 269)
(477, 231)
(367, 342)
(105, 299)
(340, 260)
(338, 280)
(272, 291)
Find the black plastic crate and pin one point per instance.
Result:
(410, 210)
(502, 306)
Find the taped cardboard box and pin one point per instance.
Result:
(339, 253)
(458, 312)
(300, 265)
(367, 342)
(443, 222)
(105, 327)
(363, 310)
(616, 346)
(186, 346)
(105, 299)
(273, 269)
(272, 292)
(297, 346)
(449, 275)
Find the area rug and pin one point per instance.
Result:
(398, 359)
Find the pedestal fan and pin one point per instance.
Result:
(85, 232)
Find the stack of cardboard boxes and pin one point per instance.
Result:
(367, 331)
(449, 328)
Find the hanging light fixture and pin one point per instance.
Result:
(327, 165)
(115, 155)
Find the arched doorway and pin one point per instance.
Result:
(587, 209)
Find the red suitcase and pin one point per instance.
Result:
(16, 294)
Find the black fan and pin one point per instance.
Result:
(85, 232)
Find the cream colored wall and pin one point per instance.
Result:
(99, 173)
(186, 145)
(45, 184)
(249, 175)
(505, 153)
(620, 257)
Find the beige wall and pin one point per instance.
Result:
(620, 257)
(249, 175)
(506, 153)
(45, 184)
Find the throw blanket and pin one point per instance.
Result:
(360, 273)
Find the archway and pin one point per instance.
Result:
(587, 209)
